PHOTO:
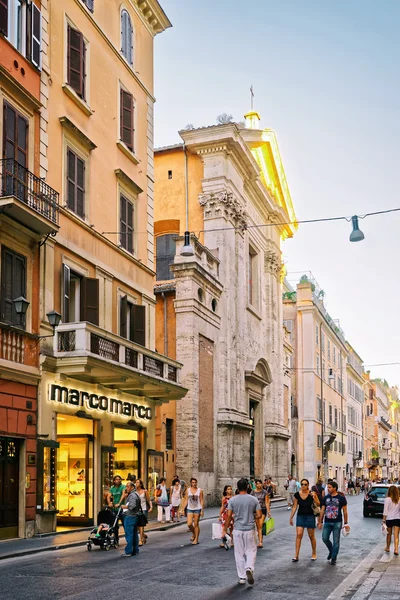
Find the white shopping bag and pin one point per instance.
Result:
(216, 531)
(384, 529)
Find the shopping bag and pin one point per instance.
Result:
(270, 526)
(216, 531)
(384, 529)
(264, 528)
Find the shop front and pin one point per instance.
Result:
(88, 437)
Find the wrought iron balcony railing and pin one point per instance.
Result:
(19, 182)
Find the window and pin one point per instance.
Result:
(335, 446)
(76, 55)
(322, 341)
(316, 335)
(89, 4)
(169, 434)
(127, 119)
(252, 275)
(132, 321)
(165, 255)
(288, 323)
(343, 448)
(336, 418)
(13, 285)
(323, 370)
(330, 414)
(21, 23)
(169, 174)
(15, 138)
(75, 183)
(344, 422)
(319, 409)
(126, 37)
(329, 350)
(80, 297)
(319, 441)
(317, 363)
(334, 355)
(126, 224)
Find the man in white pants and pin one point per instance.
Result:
(245, 509)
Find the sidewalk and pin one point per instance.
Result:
(65, 539)
(70, 539)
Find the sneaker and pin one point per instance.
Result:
(242, 581)
(333, 561)
(329, 556)
(125, 555)
(289, 507)
(250, 576)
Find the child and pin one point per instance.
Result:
(101, 527)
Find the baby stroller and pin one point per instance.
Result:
(108, 537)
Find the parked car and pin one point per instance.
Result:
(374, 499)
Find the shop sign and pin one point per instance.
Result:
(73, 397)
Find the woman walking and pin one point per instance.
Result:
(162, 499)
(265, 504)
(195, 509)
(146, 505)
(391, 516)
(227, 494)
(303, 502)
(176, 498)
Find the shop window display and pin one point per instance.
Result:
(49, 478)
(74, 495)
(127, 455)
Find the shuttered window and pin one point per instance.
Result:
(13, 285)
(126, 36)
(165, 255)
(79, 302)
(76, 61)
(75, 183)
(90, 300)
(127, 119)
(126, 224)
(4, 17)
(132, 322)
(36, 57)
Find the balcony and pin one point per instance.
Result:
(385, 423)
(28, 199)
(89, 353)
(19, 353)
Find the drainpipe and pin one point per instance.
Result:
(186, 189)
(165, 325)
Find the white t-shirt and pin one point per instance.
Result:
(391, 510)
(292, 486)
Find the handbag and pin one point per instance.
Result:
(316, 509)
(269, 526)
(142, 520)
(216, 531)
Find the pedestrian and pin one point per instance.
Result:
(132, 509)
(318, 488)
(358, 486)
(303, 504)
(227, 494)
(146, 505)
(391, 517)
(346, 486)
(162, 500)
(115, 494)
(246, 510)
(268, 487)
(291, 489)
(176, 498)
(195, 509)
(265, 505)
(333, 505)
(350, 487)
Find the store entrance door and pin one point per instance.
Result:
(9, 487)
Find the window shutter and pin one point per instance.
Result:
(127, 119)
(76, 61)
(4, 17)
(80, 187)
(123, 312)
(138, 318)
(71, 179)
(122, 221)
(90, 300)
(19, 285)
(66, 291)
(7, 305)
(36, 56)
(22, 141)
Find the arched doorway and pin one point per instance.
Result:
(257, 378)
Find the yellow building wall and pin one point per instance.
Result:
(170, 193)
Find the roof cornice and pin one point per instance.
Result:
(153, 15)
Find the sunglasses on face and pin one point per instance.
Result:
(304, 484)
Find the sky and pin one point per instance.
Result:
(326, 80)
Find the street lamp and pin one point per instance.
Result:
(21, 306)
(187, 249)
(356, 235)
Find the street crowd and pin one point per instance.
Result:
(245, 512)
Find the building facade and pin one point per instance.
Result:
(319, 426)
(370, 430)
(226, 296)
(29, 212)
(355, 411)
(102, 382)
(384, 428)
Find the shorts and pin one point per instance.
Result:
(393, 523)
(193, 512)
(264, 511)
(305, 521)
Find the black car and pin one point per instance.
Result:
(374, 499)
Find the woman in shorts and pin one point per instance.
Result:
(265, 504)
(303, 502)
(195, 509)
(391, 516)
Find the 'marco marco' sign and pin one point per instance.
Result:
(73, 397)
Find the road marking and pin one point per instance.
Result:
(357, 574)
